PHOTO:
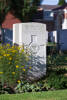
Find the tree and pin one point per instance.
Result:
(24, 9)
(62, 2)
(2, 7)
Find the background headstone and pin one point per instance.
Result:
(53, 36)
(7, 36)
(35, 37)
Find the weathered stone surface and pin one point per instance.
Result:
(34, 36)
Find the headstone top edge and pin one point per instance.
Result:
(30, 23)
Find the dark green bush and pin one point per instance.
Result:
(57, 81)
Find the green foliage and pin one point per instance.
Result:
(56, 60)
(62, 2)
(53, 60)
(29, 9)
(24, 9)
(31, 87)
(57, 81)
(56, 63)
(13, 64)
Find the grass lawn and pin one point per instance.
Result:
(50, 95)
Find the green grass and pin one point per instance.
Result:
(50, 95)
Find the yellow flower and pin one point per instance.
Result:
(4, 55)
(18, 81)
(30, 67)
(7, 55)
(9, 63)
(19, 48)
(24, 69)
(3, 52)
(1, 47)
(14, 51)
(13, 73)
(9, 49)
(0, 57)
(13, 47)
(17, 66)
(10, 58)
(8, 45)
(22, 50)
(1, 72)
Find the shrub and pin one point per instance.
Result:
(57, 80)
(13, 64)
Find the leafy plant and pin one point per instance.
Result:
(13, 64)
(57, 80)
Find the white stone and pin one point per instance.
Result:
(53, 36)
(35, 37)
(64, 24)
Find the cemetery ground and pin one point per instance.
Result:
(50, 95)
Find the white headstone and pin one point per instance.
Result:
(35, 36)
(53, 36)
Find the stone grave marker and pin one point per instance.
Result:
(34, 36)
